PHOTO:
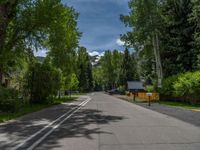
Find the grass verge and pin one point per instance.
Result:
(33, 108)
(180, 105)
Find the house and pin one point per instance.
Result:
(135, 86)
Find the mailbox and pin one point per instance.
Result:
(149, 94)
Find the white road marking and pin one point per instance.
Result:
(38, 132)
(55, 127)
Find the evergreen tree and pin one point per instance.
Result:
(179, 51)
(128, 69)
(84, 70)
(108, 70)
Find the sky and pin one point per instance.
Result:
(100, 24)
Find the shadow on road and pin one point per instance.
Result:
(85, 124)
(29, 124)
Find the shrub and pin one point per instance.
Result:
(183, 87)
(43, 80)
(167, 85)
(9, 101)
(187, 84)
(121, 89)
(150, 88)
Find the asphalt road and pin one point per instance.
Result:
(100, 122)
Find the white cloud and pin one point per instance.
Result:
(93, 53)
(119, 42)
(102, 54)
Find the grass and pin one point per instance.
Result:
(180, 105)
(34, 108)
(168, 103)
(65, 99)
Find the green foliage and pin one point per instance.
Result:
(73, 82)
(168, 85)
(122, 89)
(9, 101)
(180, 105)
(187, 84)
(145, 20)
(108, 70)
(150, 88)
(29, 25)
(116, 69)
(84, 70)
(179, 49)
(146, 66)
(128, 70)
(195, 18)
(167, 28)
(183, 87)
(98, 78)
(43, 80)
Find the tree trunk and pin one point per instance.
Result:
(1, 76)
(156, 49)
(7, 13)
(160, 71)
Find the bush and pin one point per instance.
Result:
(43, 80)
(150, 88)
(168, 85)
(188, 84)
(121, 89)
(9, 101)
(183, 87)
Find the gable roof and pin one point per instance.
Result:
(135, 85)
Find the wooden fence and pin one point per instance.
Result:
(142, 96)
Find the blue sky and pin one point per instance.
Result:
(100, 24)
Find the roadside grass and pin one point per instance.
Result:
(180, 105)
(65, 99)
(26, 109)
(167, 103)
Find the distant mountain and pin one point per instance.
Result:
(95, 60)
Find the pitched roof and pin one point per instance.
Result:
(135, 85)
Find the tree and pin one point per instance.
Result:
(108, 70)
(7, 13)
(179, 52)
(144, 19)
(84, 70)
(128, 68)
(195, 18)
(117, 58)
(97, 78)
(43, 80)
(146, 65)
(71, 82)
(31, 25)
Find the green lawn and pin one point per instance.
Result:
(180, 104)
(33, 108)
